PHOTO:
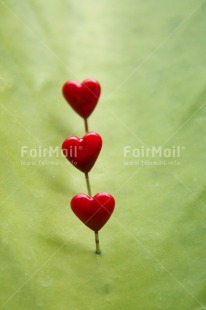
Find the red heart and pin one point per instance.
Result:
(95, 211)
(83, 153)
(82, 97)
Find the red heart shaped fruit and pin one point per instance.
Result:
(83, 153)
(95, 211)
(82, 97)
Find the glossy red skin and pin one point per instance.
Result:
(94, 211)
(82, 97)
(83, 153)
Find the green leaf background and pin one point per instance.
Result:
(149, 57)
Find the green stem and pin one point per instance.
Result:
(96, 234)
(98, 251)
(86, 125)
(88, 184)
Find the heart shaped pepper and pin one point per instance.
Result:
(83, 153)
(94, 211)
(82, 97)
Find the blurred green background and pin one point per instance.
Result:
(149, 57)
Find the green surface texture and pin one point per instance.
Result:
(149, 57)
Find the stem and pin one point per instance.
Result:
(86, 125)
(98, 251)
(88, 184)
(96, 234)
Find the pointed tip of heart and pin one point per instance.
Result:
(82, 97)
